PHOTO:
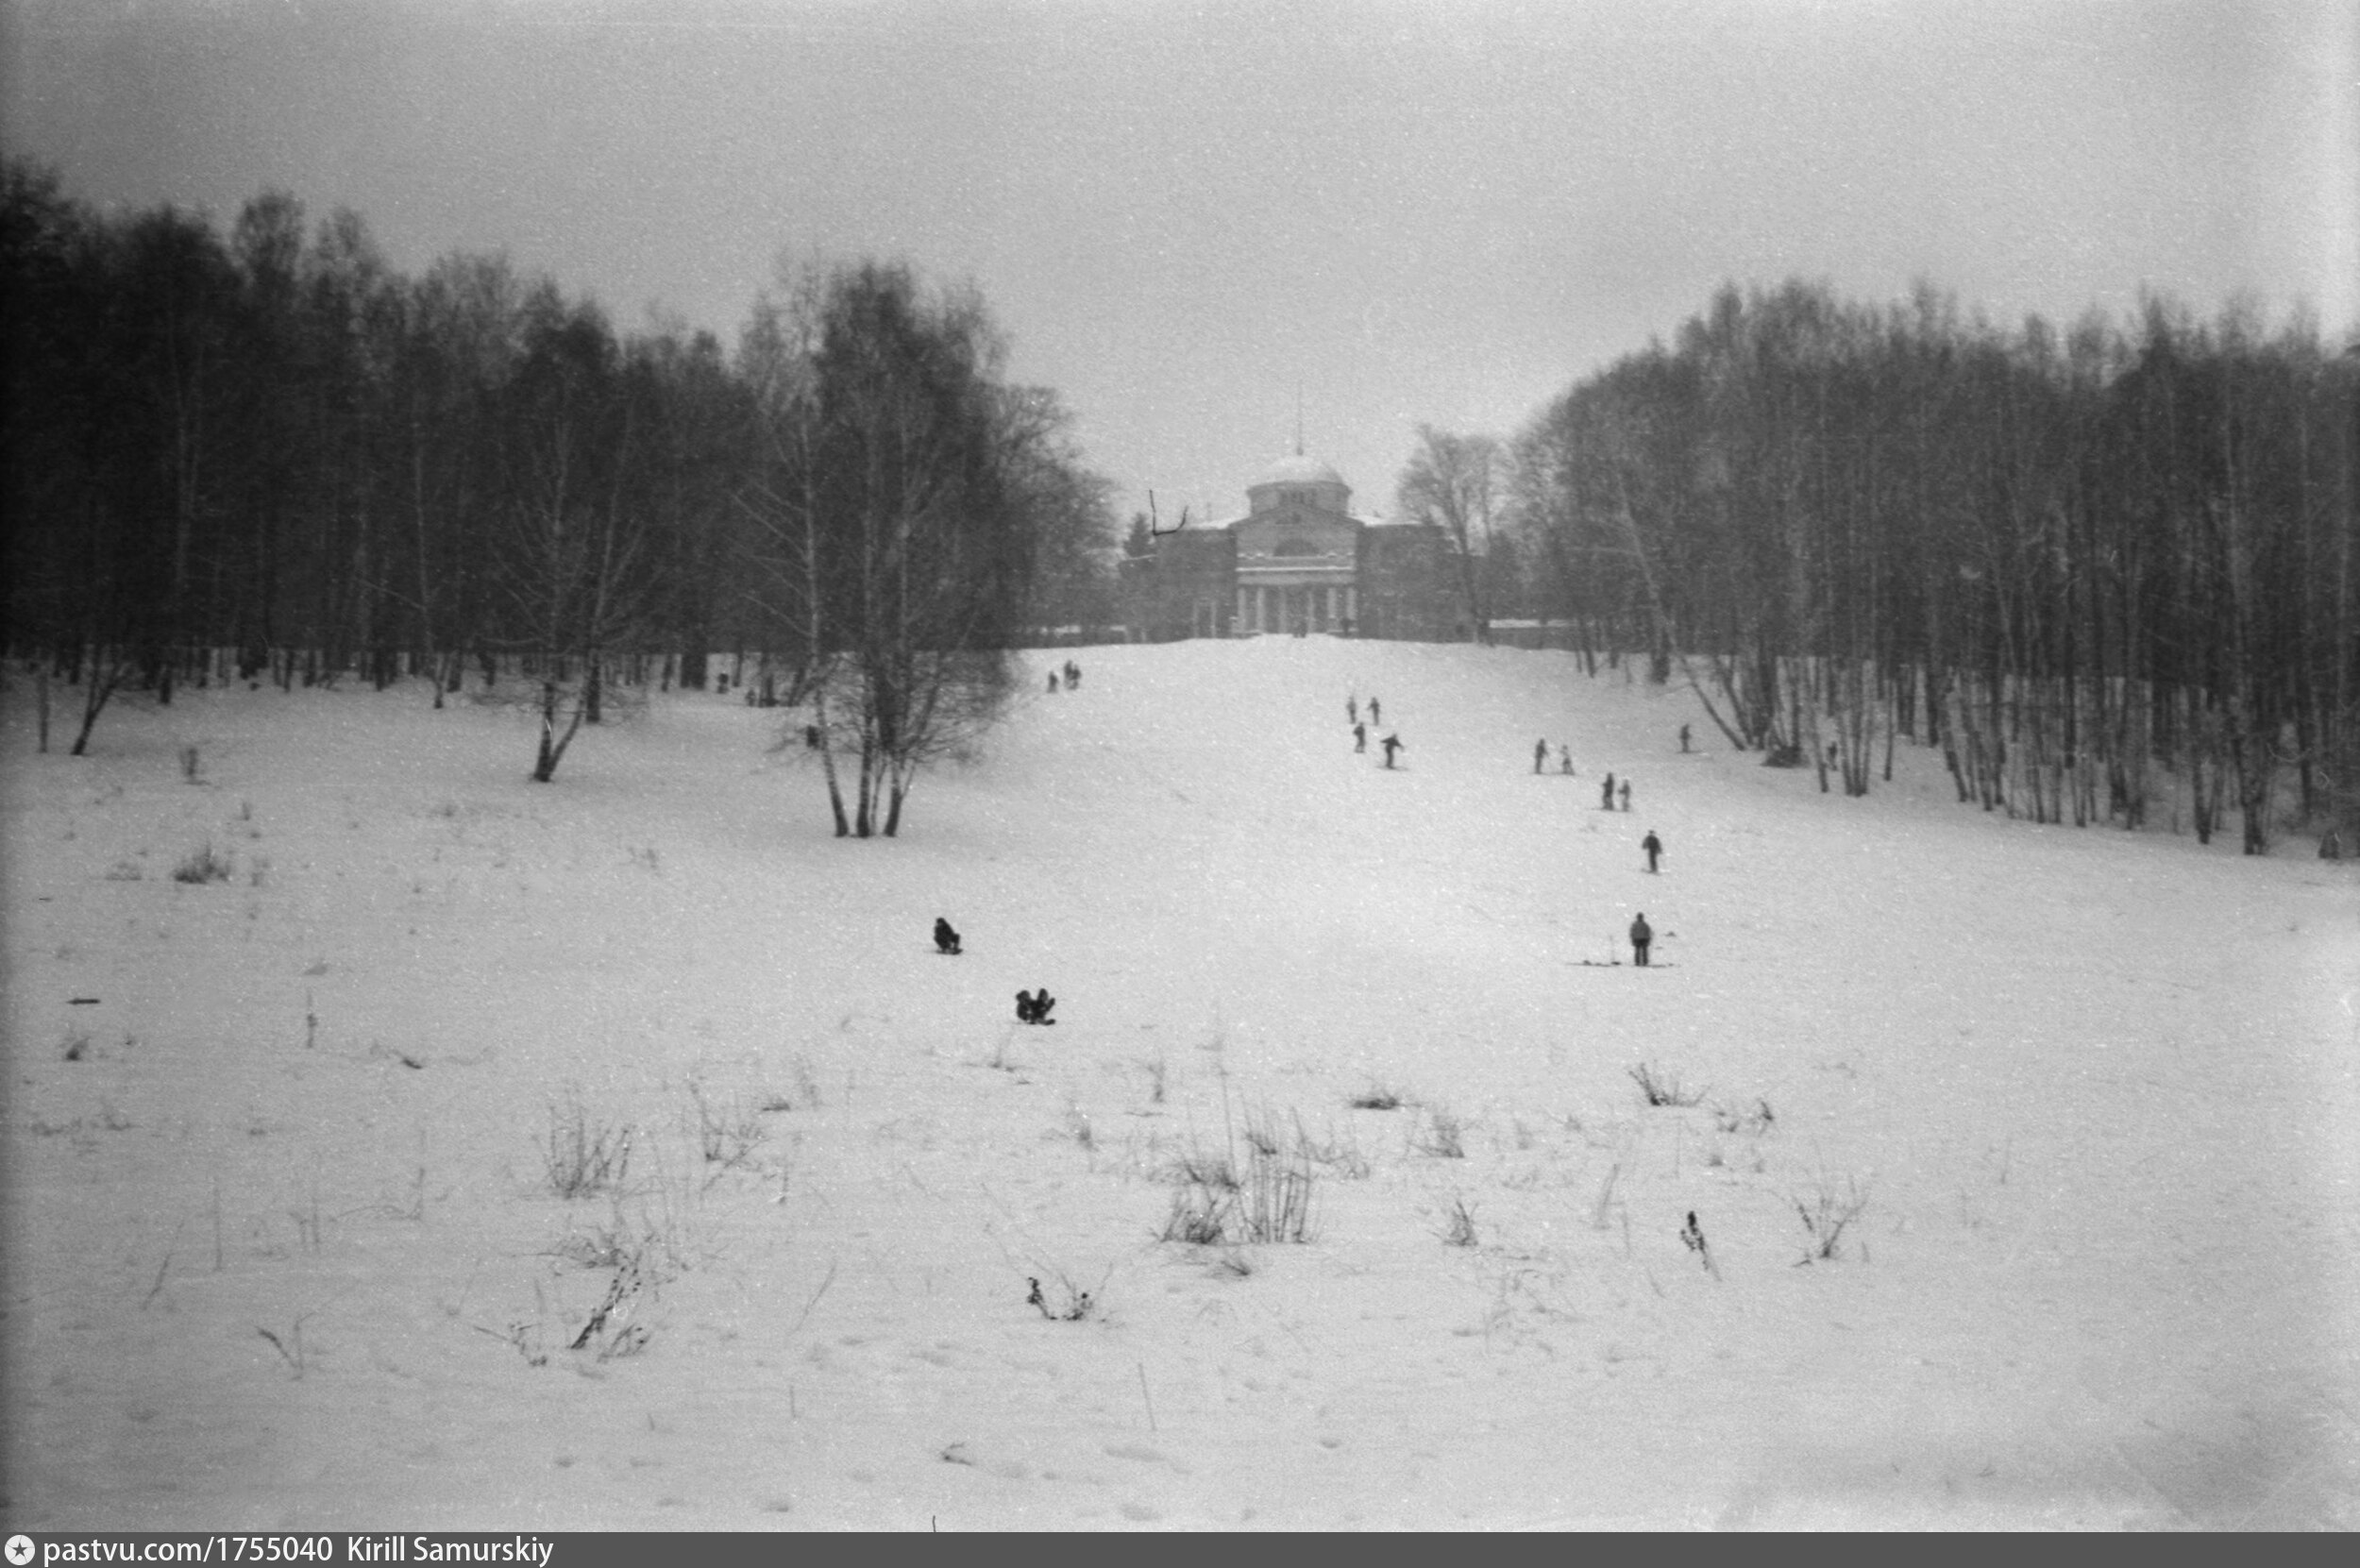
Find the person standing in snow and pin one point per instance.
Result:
(1654, 847)
(1053, 680)
(1683, 737)
(1606, 794)
(1391, 745)
(1540, 754)
(1565, 761)
(1360, 737)
(1642, 934)
(1625, 794)
(1376, 715)
(1351, 710)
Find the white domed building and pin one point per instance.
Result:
(1297, 562)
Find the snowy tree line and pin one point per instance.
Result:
(2088, 565)
(267, 454)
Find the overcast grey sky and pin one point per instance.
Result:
(1411, 211)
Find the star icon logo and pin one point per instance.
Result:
(20, 1550)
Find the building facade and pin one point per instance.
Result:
(1297, 562)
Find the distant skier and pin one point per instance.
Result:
(946, 939)
(1351, 710)
(1391, 745)
(1565, 761)
(1540, 754)
(1376, 715)
(1625, 794)
(1642, 934)
(1606, 794)
(1654, 847)
(1360, 737)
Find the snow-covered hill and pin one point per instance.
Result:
(283, 1249)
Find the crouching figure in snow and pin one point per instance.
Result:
(1034, 1009)
(946, 939)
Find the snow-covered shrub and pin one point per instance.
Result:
(584, 1160)
(203, 866)
(1662, 1088)
(1826, 1212)
(1445, 1137)
(1459, 1226)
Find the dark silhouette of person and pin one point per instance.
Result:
(1032, 1008)
(1391, 745)
(811, 736)
(1565, 761)
(1023, 1006)
(1625, 794)
(1052, 680)
(1351, 710)
(946, 939)
(1642, 934)
(1376, 715)
(1606, 794)
(1654, 847)
(1359, 736)
(1683, 737)
(1540, 754)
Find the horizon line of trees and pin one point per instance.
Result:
(2065, 559)
(269, 448)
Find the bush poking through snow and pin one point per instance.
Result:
(1662, 1088)
(727, 1134)
(1753, 1122)
(202, 866)
(1270, 1201)
(1825, 1213)
(1077, 1305)
(584, 1160)
(1445, 1134)
(1459, 1226)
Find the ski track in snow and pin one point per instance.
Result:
(283, 1254)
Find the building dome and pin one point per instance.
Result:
(1297, 469)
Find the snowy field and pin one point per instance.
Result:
(285, 1252)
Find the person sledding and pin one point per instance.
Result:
(946, 939)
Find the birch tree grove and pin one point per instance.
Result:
(272, 456)
(2107, 572)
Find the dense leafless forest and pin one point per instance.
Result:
(2068, 558)
(2108, 570)
(270, 456)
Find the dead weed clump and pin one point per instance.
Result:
(583, 1158)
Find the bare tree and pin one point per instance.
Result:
(1457, 482)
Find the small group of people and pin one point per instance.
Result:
(1072, 673)
(1392, 744)
(1031, 1007)
(1607, 790)
(1540, 758)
